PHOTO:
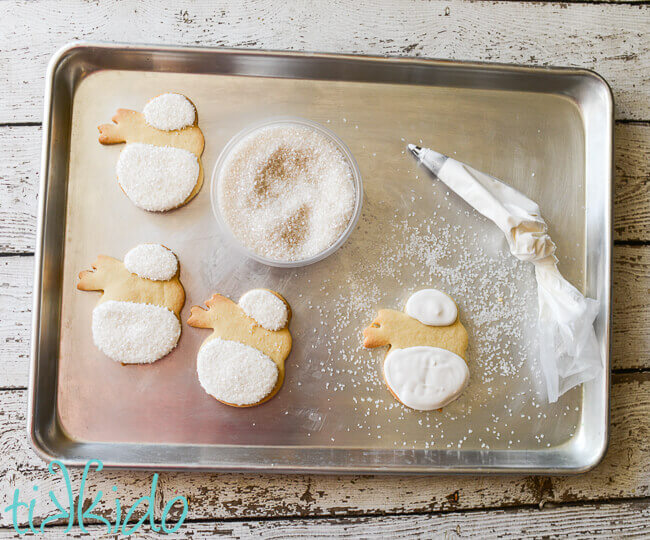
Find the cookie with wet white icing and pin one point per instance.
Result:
(137, 318)
(241, 363)
(160, 167)
(425, 367)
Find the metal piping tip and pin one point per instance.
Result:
(415, 150)
(431, 159)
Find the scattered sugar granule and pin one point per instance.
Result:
(399, 247)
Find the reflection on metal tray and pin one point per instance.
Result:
(548, 132)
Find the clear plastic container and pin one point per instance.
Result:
(232, 238)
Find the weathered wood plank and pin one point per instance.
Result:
(632, 184)
(631, 326)
(20, 148)
(631, 329)
(19, 185)
(625, 473)
(609, 38)
(16, 277)
(614, 520)
(588, 521)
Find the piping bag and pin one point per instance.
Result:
(568, 349)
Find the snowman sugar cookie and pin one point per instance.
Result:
(241, 363)
(137, 318)
(160, 167)
(425, 366)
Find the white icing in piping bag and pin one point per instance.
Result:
(569, 352)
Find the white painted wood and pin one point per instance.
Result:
(19, 171)
(631, 326)
(589, 521)
(20, 148)
(628, 519)
(632, 184)
(610, 38)
(624, 473)
(16, 276)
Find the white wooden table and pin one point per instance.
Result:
(610, 37)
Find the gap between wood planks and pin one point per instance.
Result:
(616, 121)
(631, 243)
(506, 511)
(639, 503)
(21, 124)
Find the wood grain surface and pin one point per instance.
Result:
(613, 500)
(608, 520)
(612, 39)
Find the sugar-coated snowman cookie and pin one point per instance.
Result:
(425, 365)
(137, 319)
(242, 363)
(160, 167)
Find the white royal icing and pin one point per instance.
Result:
(432, 307)
(265, 308)
(157, 178)
(133, 333)
(169, 112)
(151, 261)
(235, 373)
(425, 378)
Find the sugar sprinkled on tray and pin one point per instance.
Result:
(448, 249)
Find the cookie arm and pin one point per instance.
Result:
(376, 335)
(117, 132)
(199, 318)
(95, 279)
(218, 306)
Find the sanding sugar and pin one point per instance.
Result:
(151, 261)
(157, 178)
(265, 308)
(428, 240)
(286, 192)
(235, 373)
(133, 333)
(169, 112)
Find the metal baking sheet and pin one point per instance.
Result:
(546, 131)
